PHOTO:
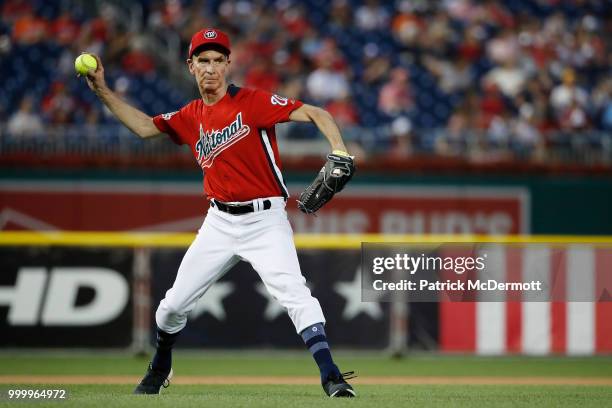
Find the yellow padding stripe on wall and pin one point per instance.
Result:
(303, 241)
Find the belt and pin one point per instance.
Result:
(237, 209)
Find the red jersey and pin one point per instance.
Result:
(234, 142)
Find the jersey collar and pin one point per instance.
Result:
(233, 90)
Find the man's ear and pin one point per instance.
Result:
(190, 65)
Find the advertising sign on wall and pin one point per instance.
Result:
(180, 207)
(65, 297)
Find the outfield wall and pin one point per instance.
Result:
(101, 290)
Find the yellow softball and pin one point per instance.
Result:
(84, 63)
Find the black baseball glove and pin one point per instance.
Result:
(332, 178)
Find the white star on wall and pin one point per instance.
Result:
(212, 301)
(351, 292)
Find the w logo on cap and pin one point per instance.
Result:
(210, 34)
(211, 37)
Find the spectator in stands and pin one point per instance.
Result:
(12, 10)
(406, 26)
(311, 43)
(64, 66)
(526, 139)
(371, 16)
(498, 131)
(325, 83)
(401, 138)
(554, 26)
(491, 104)
(503, 48)
(92, 124)
(470, 48)
(536, 94)
(25, 122)
(340, 16)
(99, 31)
(195, 17)
(395, 96)
(5, 45)
(574, 117)
(437, 35)
(509, 78)
(137, 60)
(243, 16)
(494, 13)
(460, 10)
(293, 88)
(329, 54)
(173, 14)
(122, 43)
(453, 140)
(294, 21)
(30, 29)
(343, 111)
(65, 29)
(262, 74)
(453, 75)
(606, 116)
(289, 61)
(602, 101)
(375, 66)
(567, 94)
(59, 106)
(535, 46)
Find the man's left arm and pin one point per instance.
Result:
(339, 168)
(325, 122)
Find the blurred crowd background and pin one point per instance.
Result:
(521, 81)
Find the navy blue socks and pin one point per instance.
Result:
(316, 341)
(162, 361)
(313, 336)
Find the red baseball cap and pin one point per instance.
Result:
(210, 36)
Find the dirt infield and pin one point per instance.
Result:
(261, 380)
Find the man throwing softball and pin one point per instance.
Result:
(230, 131)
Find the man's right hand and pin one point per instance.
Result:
(137, 121)
(95, 78)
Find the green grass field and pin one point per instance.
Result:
(544, 382)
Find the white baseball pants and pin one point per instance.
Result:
(265, 240)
